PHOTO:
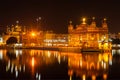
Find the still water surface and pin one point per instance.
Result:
(55, 65)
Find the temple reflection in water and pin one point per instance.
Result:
(40, 64)
(89, 65)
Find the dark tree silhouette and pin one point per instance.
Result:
(11, 40)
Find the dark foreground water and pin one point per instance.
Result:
(55, 65)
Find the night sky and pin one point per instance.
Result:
(56, 14)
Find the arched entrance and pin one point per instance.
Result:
(12, 40)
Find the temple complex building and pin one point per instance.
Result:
(13, 34)
(84, 36)
(89, 35)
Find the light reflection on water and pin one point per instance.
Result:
(41, 64)
(89, 65)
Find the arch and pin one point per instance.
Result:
(11, 40)
(92, 65)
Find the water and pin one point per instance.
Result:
(54, 65)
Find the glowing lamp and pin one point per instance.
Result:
(33, 34)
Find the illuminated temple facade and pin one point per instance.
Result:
(89, 36)
(83, 36)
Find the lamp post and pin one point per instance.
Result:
(33, 38)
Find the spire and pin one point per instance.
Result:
(70, 26)
(70, 22)
(104, 24)
(93, 24)
(84, 21)
(93, 18)
(17, 22)
(104, 20)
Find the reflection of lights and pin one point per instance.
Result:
(33, 62)
(102, 63)
(20, 52)
(83, 77)
(8, 66)
(49, 54)
(93, 77)
(1, 54)
(80, 63)
(110, 62)
(64, 58)
(70, 72)
(105, 65)
(20, 68)
(32, 52)
(56, 54)
(87, 65)
(38, 76)
(24, 68)
(15, 68)
(110, 59)
(70, 77)
(98, 66)
(69, 64)
(16, 72)
(12, 68)
(105, 57)
(100, 57)
(105, 76)
(59, 60)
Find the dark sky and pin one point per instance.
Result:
(56, 14)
